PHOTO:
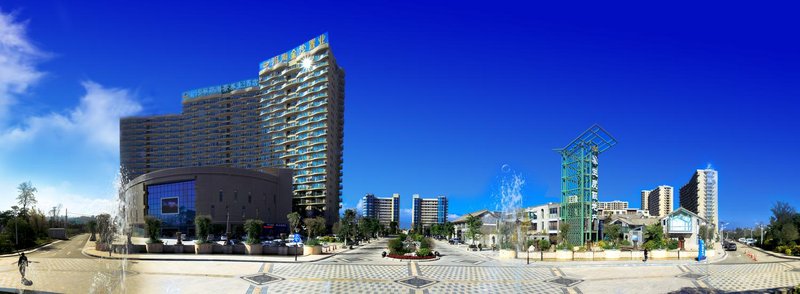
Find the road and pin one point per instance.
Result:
(63, 269)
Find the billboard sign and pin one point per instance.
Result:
(169, 205)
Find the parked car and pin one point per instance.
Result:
(750, 241)
(742, 240)
(729, 246)
(456, 241)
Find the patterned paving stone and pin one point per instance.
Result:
(341, 271)
(481, 273)
(416, 282)
(262, 279)
(566, 282)
(334, 286)
(495, 287)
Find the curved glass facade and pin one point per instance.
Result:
(173, 204)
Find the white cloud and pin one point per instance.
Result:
(78, 144)
(406, 212)
(94, 121)
(360, 206)
(452, 216)
(47, 197)
(18, 58)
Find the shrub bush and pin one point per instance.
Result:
(625, 243)
(544, 244)
(327, 239)
(202, 225)
(608, 245)
(672, 244)
(788, 252)
(425, 243)
(153, 227)
(396, 247)
(253, 227)
(313, 242)
(424, 252)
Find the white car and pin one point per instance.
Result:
(742, 240)
(750, 241)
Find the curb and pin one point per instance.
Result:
(32, 250)
(773, 254)
(85, 253)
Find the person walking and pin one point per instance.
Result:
(22, 264)
(645, 255)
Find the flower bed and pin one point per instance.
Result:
(397, 256)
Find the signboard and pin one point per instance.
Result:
(221, 89)
(169, 205)
(296, 238)
(701, 252)
(294, 53)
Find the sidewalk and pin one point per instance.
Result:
(89, 250)
(534, 259)
(773, 254)
(31, 250)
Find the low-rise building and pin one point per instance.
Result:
(489, 220)
(684, 226)
(544, 220)
(632, 226)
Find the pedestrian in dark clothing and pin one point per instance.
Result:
(22, 264)
(645, 255)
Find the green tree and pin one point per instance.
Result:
(153, 227)
(202, 225)
(393, 226)
(294, 221)
(449, 229)
(92, 224)
(315, 226)
(27, 197)
(544, 244)
(563, 232)
(789, 233)
(253, 227)
(654, 237)
(347, 226)
(474, 225)
(613, 232)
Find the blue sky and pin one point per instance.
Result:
(438, 96)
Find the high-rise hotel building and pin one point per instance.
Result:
(659, 201)
(291, 116)
(699, 195)
(385, 210)
(428, 211)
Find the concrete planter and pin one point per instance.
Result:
(272, 250)
(548, 255)
(612, 254)
(155, 248)
(658, 254)
(508, 254)
(204, 248)
(312, 250)
(177, 249)
(283, 250)
(563, 254)
(253, 249)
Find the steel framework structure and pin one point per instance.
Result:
(579, 183)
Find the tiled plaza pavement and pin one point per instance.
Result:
(737, 277)
(362, 270)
